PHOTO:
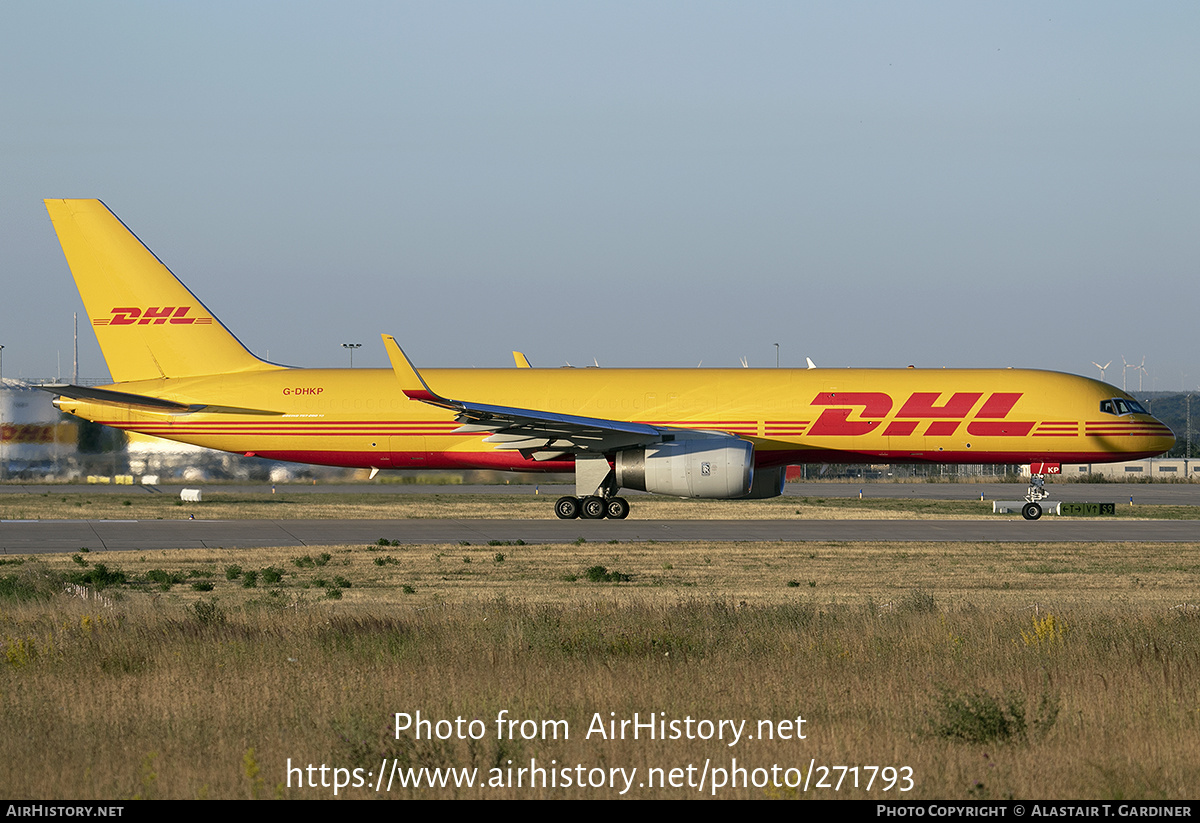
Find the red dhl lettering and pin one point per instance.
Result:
(923, 404)
(837, 421)
(873, 409)
(125, 316)
(999, 404)
(152, 315)
(942, 428)
(303, 390)
(26, 433)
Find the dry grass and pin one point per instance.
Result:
(144, 695)
(998, 575)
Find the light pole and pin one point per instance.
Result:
(776, 355)
(352, 347)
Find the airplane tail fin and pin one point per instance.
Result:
(149, 325)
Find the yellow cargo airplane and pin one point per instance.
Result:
(707, 433)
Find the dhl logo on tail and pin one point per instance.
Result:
(131, 316)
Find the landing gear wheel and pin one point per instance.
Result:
(592, 508)
(567, 508)
(1031, 511)
(616, 508)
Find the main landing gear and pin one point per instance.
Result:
(592, 507)
(595, 492)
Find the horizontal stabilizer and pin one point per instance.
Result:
(118, 397)
(144, 401)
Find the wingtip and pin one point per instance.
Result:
(411, 382)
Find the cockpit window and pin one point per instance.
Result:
(1118, 405)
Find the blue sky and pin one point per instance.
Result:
(646, 184)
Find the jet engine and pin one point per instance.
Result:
(715, 467)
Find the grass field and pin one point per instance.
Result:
(989, 671)
(218, 505)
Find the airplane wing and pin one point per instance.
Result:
(539, 435)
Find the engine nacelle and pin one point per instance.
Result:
(717, 467)
(767, 483)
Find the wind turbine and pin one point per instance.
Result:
(1141, 369)
(1102, 368)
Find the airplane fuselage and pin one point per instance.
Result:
(361, 418)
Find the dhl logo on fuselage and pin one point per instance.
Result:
(979, 414)
(944, 419)
(156, 315)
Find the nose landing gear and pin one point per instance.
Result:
(1038, 492)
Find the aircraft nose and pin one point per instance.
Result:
(1167, 441)
(1162, 439)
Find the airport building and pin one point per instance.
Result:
(33, 434)
(1156, 468)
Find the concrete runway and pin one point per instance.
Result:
(1177, 494)
(47, 536)
(50, 536)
